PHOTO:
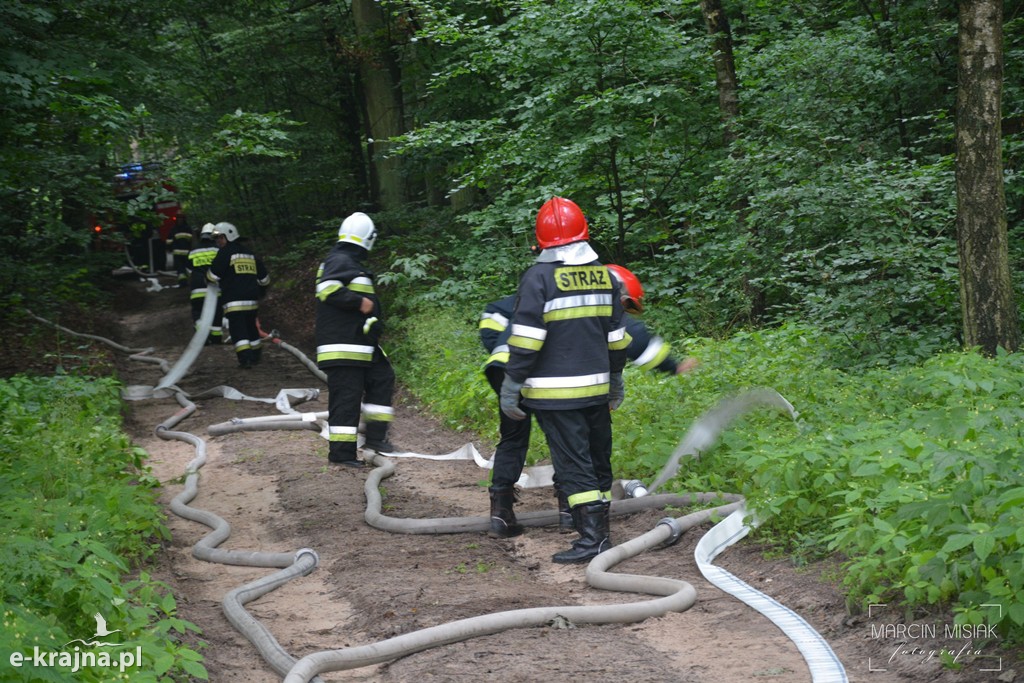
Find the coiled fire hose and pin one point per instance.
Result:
(675, 595)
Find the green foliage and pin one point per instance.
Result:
(440, 359)
(910, 472)
(79, 515)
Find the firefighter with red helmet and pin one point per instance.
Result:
(646, 350)
(199, 260)
(360, 379)
(243, 280)
(567, 349)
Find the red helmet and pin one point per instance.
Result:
(560, 222)
(632, 290)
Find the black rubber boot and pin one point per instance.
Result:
(565, 523)
(377, 437)
(592, 522)
(503, 519)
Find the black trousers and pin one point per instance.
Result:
(216, 332)
(354, 391)
(510, 454)
(245, 333)
(580, 441)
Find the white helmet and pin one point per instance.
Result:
(358, 229)
(207, 231)
(227, 229)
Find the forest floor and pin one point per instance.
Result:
(279, 494)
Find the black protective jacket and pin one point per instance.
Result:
(344, 335)
(567, 335)
(199, 260)
(240, 274)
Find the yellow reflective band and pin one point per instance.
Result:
(363, 285)
(565, 392)
(606, 496)
(500, 357)
(584, 498)
(574, 278)
(344, 352)
(578, 312)
(491, 324)
(377, 413)
(525, 343)
(621, 344)
(343, 434)
(198, 293)
(648, 360)
(238, 306)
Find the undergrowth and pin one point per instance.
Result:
(910, 472)
(79, 518)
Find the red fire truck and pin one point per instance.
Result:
(146, 231)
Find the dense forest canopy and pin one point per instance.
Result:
(818, 185)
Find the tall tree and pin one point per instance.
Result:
(725, 64)
(990, 317)
(379, 75)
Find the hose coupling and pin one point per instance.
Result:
(675, 531)
(307, 551)
(634, 488)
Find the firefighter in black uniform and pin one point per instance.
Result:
(567, 349)
(180, 243)
(646, 350)
(510, 454)
(199, 260)
(360, 379)
(243, 280)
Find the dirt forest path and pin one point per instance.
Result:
(278, 493)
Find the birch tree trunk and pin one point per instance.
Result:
(990, 318)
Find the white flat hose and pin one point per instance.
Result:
(198, 341)
(825, 667)
(675, 595)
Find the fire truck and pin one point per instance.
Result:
(153, 213)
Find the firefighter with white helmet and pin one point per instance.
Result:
(199, 260)
(243, 280)
(567, 349)
(349, 321)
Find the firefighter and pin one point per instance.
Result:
(646, 350)
(243, 281)
(180, 244)
(510, 454)
(567, 350)
(199, 260)
(360, 379)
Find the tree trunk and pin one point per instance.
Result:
(725, 64)
(729, 108)
(990, 318)
(384, 119)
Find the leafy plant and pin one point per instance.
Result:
(80, 517)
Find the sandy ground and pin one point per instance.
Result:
(278, 493)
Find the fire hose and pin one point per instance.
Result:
(674, 595)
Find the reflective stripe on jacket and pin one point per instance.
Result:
(567, 335)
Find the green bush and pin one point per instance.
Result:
(79, 517)
(911, 473)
